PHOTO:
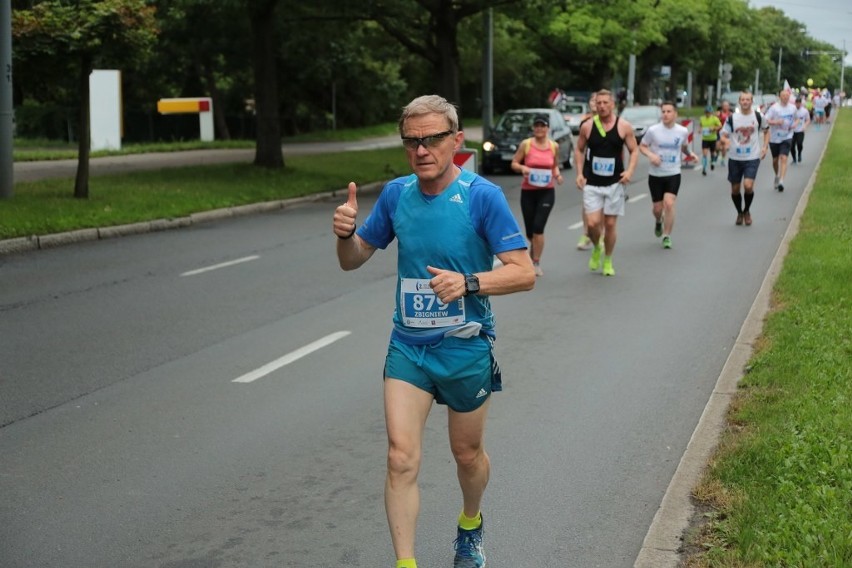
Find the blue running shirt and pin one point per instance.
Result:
(461, 229)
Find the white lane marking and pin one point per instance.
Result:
(221, 265)
(637, 197)
(575, 226)
(290, 357)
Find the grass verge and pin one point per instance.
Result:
(778, 492)
(48, 206)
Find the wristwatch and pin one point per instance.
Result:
(471, 284)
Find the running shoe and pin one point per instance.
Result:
(469, 550)
(595, 260)
(608, 270)
(722, 163)
(712, 166)
(658, 228)
(780, 186)
(739, 218)
(747, 218)
(538, 270)
(775, 184)
(667, 242)
(704, 172)
(585, 243)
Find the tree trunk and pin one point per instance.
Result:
(447, 71)
(268, 152)
(81, 183)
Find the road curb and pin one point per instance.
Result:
(664, 539)
(53, 240)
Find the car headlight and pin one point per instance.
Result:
(489, 146)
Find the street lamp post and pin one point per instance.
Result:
(842, 55)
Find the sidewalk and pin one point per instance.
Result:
(33, 171)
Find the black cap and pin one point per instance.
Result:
(542, 118)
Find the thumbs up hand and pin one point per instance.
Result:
(344, 215)
(446, 284)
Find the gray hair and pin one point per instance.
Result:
(430, 104)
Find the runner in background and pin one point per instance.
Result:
(745, 128)
(585, 243)
(781, 118)
(804, 119)
(663, 144)
(723, 143)
(537, 159)
(710, 127)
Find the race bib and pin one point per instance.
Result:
(422, 308)
(540, 177)
(744, 150)
(669, 157)
(706, 131)
(603, 166)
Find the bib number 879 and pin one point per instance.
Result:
(423, 303)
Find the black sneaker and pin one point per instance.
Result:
(780, 186)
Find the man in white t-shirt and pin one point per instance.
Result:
(782, 121)
(743, 129)
(663, 144)
(804, 118)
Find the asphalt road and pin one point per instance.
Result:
(126, 441)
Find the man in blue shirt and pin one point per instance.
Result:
(449, 223)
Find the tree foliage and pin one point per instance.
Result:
(61, 35)
(337, 63)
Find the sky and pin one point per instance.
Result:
(826, 20)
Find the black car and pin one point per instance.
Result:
(515, 125)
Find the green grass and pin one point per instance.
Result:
(45, 207)
(48, 206)
(781, 482)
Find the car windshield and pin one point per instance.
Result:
(640, 113)
(516, 122)
(732, 98)
(573, 108)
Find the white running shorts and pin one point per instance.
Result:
(610, 198)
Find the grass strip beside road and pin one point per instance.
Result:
(48, 206)
(779, 489)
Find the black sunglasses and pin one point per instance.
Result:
(431, 141)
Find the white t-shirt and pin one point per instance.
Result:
(744, 132)
(787, 113)
(666, 143)
(820, 103)
(804, 116)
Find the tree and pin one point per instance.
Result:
(268, 151)
(83, 33)
(429, 29)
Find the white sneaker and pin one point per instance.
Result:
(538, 270)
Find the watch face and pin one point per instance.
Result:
(472, 284)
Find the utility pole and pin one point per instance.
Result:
(719, 81)
(6, 110)
(631, 74)
(778, 79)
